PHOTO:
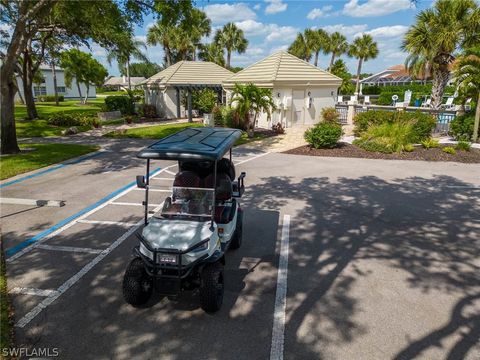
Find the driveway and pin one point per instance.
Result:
(378, 260)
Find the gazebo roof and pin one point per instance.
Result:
(190, 74)
(282, 68)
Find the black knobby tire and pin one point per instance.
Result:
(236, 241)
(212, 287)
(137, 285)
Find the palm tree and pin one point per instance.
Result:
(419, 66)
(440, 31)
(164, 35)
(212, 52)
(319, 42)
(337, 45)
(231, 38)
(127, 48)
(301, 47)
(467, 75)
(198, 25)
(363, 48)
(247, 99)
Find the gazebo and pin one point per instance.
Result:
(164, 88)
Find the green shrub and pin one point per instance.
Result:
(463, 146)
(72, 119)
(408, 148)
(421, 124)
(205, 100)
(386, 138)
(50, 98)
(461, 127)
(430, 143)
(323, 135)
(371, 90)
(225, 116)
(330, 114)
(148, 111)
(449, 150)
(124, 104)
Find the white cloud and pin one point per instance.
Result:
(386, 31)
(275, 6)
(141, 38)
(273, 32)
(318, 13)
(149, 25)
(375, 7)
(223, 13)
(257, 6)
(254, 51)
(347, 30)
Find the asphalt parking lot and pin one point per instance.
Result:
(378, 259)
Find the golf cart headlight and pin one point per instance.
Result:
(202, 247)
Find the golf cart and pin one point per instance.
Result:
(183, 246)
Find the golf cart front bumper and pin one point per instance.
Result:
(173, 269)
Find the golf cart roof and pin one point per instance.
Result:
(205, 143)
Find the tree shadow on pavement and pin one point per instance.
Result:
(427, 228)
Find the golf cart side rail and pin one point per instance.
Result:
(193, 144)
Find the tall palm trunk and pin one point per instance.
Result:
(54, 74)
(332, 59)
(128, 75)
(477, 120)
(359, 70)
(316, 59)
(168, 56)
(441, 75)
(229, 55)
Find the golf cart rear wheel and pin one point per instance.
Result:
(137, 285)
(211, 287)
(238, 234)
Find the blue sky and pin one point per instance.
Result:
(271, 25)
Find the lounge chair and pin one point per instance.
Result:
(468, 105)
(366, 100)
(449, 104)
(427, 103)
(339, 99)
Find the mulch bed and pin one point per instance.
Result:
(265, 132)
(352, 151)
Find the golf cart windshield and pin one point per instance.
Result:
(189, 203)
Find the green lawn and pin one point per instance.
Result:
(45, 109)
(245, 139)
(40, 128)
(152, 132)
(43, 155)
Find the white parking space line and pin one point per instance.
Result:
(32, 291)
(278, 331)
(249, 159)
(73, 222)
(162, 178)
(69, 249)
(170, 172)
(75, 278)
(132, 204)
(156, 190)
(106, 222)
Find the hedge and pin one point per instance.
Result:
(124, 104)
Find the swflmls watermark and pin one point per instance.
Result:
(23, 352)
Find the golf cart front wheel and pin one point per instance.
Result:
(212, 287)
(137, 285)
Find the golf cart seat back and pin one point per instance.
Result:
(185, 179)
(205, 168)
(223, 191)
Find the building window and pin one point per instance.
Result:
(61, 89)
(39, 90)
